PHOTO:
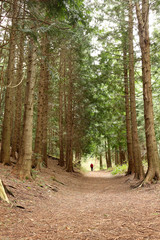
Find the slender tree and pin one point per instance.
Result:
(16, 136)
(100, 162)
(69, 143)
(151, 144)
(116, 157)
(139, 172)
(39, 127)
(61, 110)
(25, 158)
(6, 130)
(45, 104)
(128, 119)
(109, 163)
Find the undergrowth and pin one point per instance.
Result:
(119, 169)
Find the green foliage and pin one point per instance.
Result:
(62, 9)
(98, 99)
(119, 169)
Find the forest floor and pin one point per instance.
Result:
(94, 206)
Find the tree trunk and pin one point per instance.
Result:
(116, 157)
(1, 10)
(128, 120)
(100, 162)
(151, 144)
(25, 160)
(6, 132)
(69, 144)
(45, 106)
(37, 159)
(18, 98)
(109, 164)
(121, 156)
(139, 172)
(106, 155)
(61, 137)
(40, 151)
(65, 120)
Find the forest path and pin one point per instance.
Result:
(93, 206)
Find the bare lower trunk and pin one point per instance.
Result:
(61, 136)
(116, 157)
(109, 163)
(25, 161)
(39, 127)
(40, 151)
(139, 172)
(45, 112)
(100, 162)
(121, 156)
(37, 160)
(6, 133)
(18, 99)
(69, 143)
(128, 119)
(106, 155)
(151, 144)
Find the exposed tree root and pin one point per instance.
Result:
(144, 183)
(25, 176)
(137, 184)
(54, 179)
(130, 177)
(7, 190)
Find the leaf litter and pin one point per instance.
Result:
(93, 206)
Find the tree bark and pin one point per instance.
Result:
(69, 143)
(37, 159)
(116, 157)
(18, 98)
(6, 132)
(45, 106)
(40, 150)
(151, 144)
(61, 137)
(25, 161)
(109, 163)
(106, 155)
(121, 156)
(128, 119)
(100, 162)
(139, 172)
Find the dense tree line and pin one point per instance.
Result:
(64, 97)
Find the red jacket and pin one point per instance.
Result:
(91, 165)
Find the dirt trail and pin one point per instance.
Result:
(94, 206)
